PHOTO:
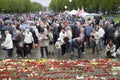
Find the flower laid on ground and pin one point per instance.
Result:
(52, 69)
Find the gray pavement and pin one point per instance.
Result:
(36, 55)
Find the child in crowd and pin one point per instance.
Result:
(23, 50)
(93, 44)
(20, 50)
(27, 51)
(58, 47)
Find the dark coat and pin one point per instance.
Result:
(110, 31)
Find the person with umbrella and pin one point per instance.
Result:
(8, 21)
(6, 27)
(24, 26)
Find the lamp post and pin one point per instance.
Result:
(70, 0)
(65, 7)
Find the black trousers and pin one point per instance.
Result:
(105, 39)
(27, 48)
(109, 54)
(63, 47)
(42, 52)
(9, 52)
(54, 38)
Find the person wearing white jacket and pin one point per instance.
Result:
(69, 36)
(8, 44)
(110, 50)
(101, 33)
(62, 36)
(28, 40)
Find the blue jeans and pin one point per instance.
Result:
(100, 44)
(79, 51)
(88, 44)
(68, 47)
(58, 52)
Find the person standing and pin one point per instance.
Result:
(69, 37)
(110, 32)
(95, 37)
(28, 41)
(51, 45)
(55, 33)
(44, 42)
(62, 36)
(8, 44)
(101, 34)
(88, 30)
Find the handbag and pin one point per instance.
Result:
(3, 48)
(36, 45)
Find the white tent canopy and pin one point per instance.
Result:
(73, 12)
(94, 14)
(82, 13)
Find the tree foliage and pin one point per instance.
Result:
(36, 7)
(19, 6)
(89, 5)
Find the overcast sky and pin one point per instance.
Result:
(43, 2)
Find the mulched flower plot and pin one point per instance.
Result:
(43, 69)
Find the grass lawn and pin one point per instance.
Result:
(117, 18)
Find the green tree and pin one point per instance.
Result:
(19, 6)
(36, 6)
(89, 5)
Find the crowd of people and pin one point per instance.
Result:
(59, 34)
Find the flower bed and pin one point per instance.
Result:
(101, 69)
